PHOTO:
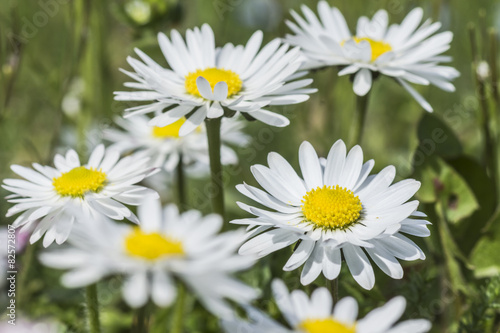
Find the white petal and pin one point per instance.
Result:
(362, 82)
(220, 91)
(163, 291)
(381, 319)
(313, 266)
(359, 266)
(346, 310)
(136, 290)
(204, 88)
(150, 217)
(310, 167)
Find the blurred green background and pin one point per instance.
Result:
(59, 63)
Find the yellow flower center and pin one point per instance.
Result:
(214, 76)
(331, 207)
(151, 246)
(378, 47)
(169, 131)
(78, 181)
(325, 325)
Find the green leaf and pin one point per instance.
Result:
(442, 184)
(485, 255)
(436, 138)
(469, 232)
(452, 254)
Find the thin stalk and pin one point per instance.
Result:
(214, 143)
(28, 256)
(489, 141)
(178, 316)
(140, 322)
(494, 67)
(181, 185)
(93, 309)
(334, 289)
(473, 42)
(361, 110)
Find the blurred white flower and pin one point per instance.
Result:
(483, 70)
(138, 11)
(318, 315)
(165, 146)
(406, 52)
(205, 81)
(336, 207)
(51, 199)
(165, 245)
(72, 101)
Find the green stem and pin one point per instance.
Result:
(361, 110)
(140, 322)
(334, 289)
(214, 143)
(93, 309)
(181, 185)
(178, 316)
(28, 256)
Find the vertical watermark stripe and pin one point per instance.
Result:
(11, 275)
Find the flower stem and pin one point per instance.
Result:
(178, 316)
(141, 319)
(361, 110)
(27, 262)
(93, 309)
(181, 185)
(334, 289)
(214, 143)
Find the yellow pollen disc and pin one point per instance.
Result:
(214, 76)
(151, 246)
(169, 131)
(378, 47)
(325, 325)
(78, 181)
(331, 207)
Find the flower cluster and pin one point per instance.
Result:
(190, 120)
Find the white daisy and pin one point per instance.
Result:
(333, 209)
(165, 245)
(318, 315)
(204, 80)
(54, 198)
(165, 146)
(406, 52)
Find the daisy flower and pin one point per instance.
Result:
(205, 81)
(52, 199)
(166, 147)
(333, 209)
(407, 52)
(318, 315)
(165, 246)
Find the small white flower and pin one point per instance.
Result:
(205, 80)
(54, 198)
(406, 52)
(483, 70)
(165, 147)
(318, 315)
(334, 208)
(165, 245)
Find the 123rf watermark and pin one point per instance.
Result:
(11, 275)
